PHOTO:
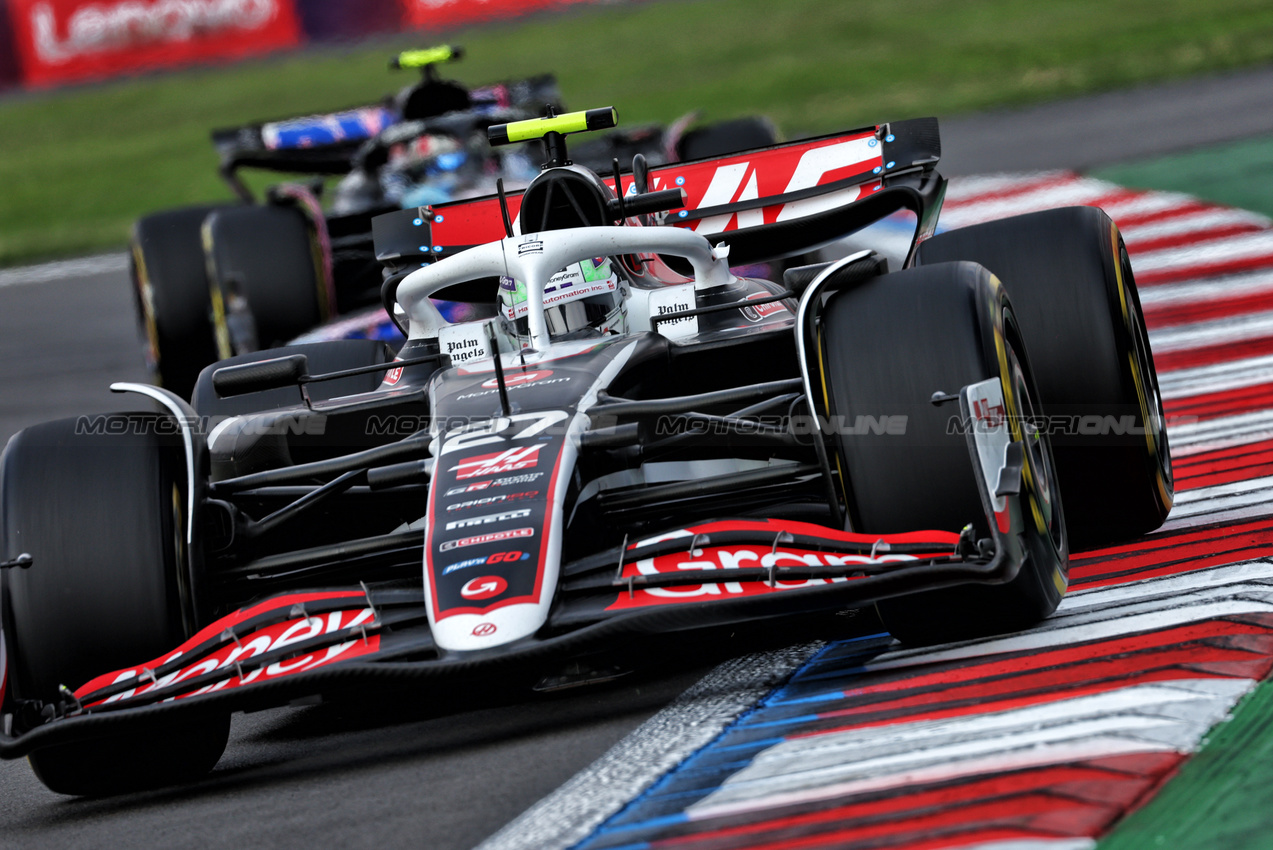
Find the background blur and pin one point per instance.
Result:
(106, 105)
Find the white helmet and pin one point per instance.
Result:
(583, 300)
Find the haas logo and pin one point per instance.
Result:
(485, 587)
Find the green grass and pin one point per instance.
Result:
(76, 167)
(1222, 796)
(1238, 174)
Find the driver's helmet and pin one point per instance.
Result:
(581, 301)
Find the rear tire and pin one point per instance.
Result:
(170, 288)
(1074, 294)
(266, 287)
(102, 513)
(890, 343)
(727, 137)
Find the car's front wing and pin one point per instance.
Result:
(297, 645)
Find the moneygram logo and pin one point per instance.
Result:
(509, 460)
(518, 378)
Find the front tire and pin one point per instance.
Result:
(99, 503)
(888, 345)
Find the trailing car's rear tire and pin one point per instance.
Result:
(727, 137)
(1072, 287)
(170, 286)
(266, 285)
(99, 503)
(890, 343)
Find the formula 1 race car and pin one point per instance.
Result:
(639, 443)
(216, 280)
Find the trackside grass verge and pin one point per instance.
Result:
(76, 167)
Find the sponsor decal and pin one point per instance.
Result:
(484, 630)
(486, 587)
(509, 460)
(990, 415)
(760, 312)
(492, 537)
(393, 376)
(577, 281)
(518, 378)
(525, 478)
(497, 558)
(507, 481)
(463, 343)
(468, 488)
(59, 41)
(743, 557)
(491, 500)
(316, 130)
(487, 519)
(530, 246)
(480, 393)
(233, 657)
(674, 299)
(779, 172)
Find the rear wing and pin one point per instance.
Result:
(768, 202)
(326, 143)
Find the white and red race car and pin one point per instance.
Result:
(638, 440)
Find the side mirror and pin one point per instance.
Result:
(262, 375)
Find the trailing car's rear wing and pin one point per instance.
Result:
(326, 143)
(768, 202)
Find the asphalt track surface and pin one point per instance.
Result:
(449, 770)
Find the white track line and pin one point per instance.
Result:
(1217, 377)
(695, 719)
(64, 270)
(1161, 717)
(1213, 332)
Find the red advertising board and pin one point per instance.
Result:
(60, 41)
(440, 14)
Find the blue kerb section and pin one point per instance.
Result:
(662, 806)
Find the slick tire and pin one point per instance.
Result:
(726, 137)
(170, 289)
(1075, 297)
(99, 503)
(890, 343)
(264, 276)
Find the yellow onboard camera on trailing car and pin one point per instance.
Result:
(428, 56)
